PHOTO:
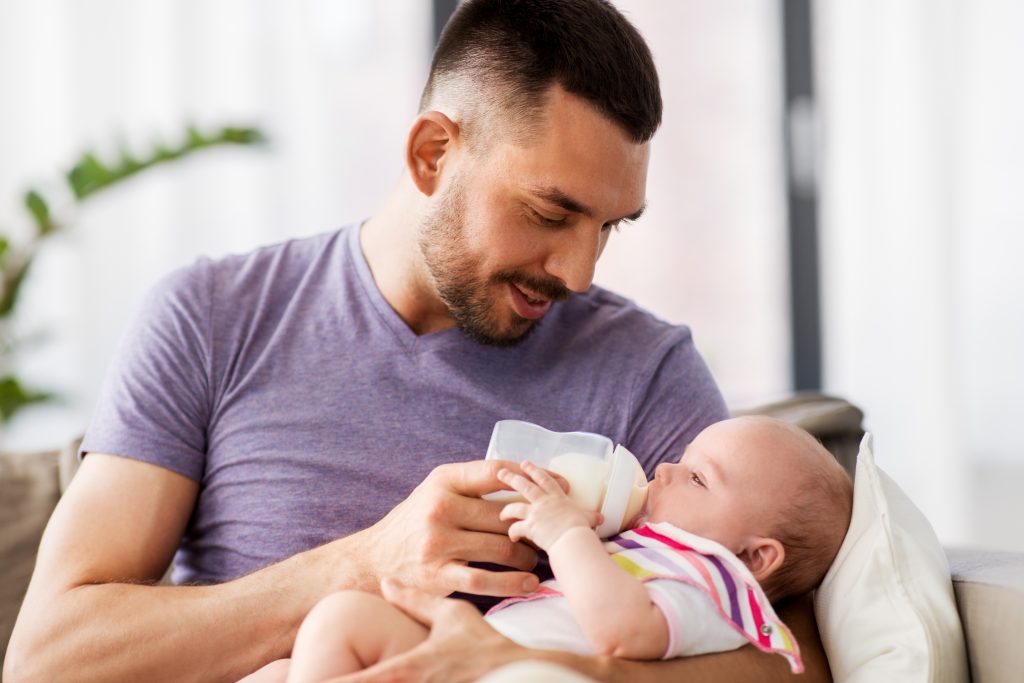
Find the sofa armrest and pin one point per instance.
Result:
(29, 491)
(67, 463)
(989, 587)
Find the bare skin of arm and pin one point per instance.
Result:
(446, 655)
(592, 583)
(92, 613)
(596, 587)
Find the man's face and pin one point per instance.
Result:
(515, 228)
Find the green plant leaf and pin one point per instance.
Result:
(87, 176)
(14, 397)
(128, 164)
(195, 138)
(242, 136)
(90, 175)
(40, 211)
(10, 286)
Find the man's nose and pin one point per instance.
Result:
(575, 256)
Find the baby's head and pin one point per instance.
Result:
(767, 491)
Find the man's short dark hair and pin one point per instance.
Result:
(500, 57)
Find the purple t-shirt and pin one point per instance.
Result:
(284, 383)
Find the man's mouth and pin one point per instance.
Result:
(527, 304)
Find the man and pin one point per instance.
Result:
(268, 410)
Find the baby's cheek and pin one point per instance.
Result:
(663, 506)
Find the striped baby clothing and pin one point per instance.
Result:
(659, 553)
(663, 551)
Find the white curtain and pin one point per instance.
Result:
(922, 217)
(711, 250)
(333, 84)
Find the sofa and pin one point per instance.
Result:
(989, 585)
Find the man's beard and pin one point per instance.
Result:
(462, 289)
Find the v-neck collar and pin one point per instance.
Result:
(401, 331)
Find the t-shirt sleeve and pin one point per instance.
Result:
(154, 405)
(694, 625)
(673, 402)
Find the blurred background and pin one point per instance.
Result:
(834, 197)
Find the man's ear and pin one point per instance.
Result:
(763, 556)
(431, 138)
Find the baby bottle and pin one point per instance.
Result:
(602, 476)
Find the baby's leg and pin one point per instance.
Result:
(275, 672)
(349, 631)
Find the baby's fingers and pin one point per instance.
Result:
(542, 478)
(514, 511)
(520, 484)
(518, 531)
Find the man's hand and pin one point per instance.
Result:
(428, 539)
(461, 647)
(548, 512)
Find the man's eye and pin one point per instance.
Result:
(544, 220)
(695, 479)
(610, 226)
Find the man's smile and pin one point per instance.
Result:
(528, 304)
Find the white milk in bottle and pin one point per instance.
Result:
(587, 477)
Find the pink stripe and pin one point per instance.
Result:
(755, 610)
(691, 557)
(648, 532)
(541, 592)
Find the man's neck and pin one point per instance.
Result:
(389, 241)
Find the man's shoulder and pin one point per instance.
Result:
(600, 313)
(272, 267)
(286, 258)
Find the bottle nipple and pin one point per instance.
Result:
(637, 498)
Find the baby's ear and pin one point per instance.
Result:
(763, 556)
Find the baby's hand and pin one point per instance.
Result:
(548, 512)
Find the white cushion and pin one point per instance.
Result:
(886, 610)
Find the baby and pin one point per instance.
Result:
(755, 512)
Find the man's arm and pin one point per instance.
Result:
(462, 647)
(745, 665)
(91, 612)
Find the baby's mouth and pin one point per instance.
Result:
(644, 514)
(641, 517)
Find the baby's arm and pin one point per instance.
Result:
(613, 609)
